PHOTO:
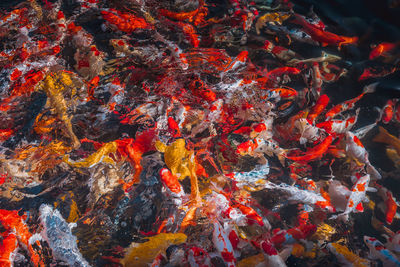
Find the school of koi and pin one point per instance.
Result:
(191, 133)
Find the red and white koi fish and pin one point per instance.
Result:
(378, 251)
(251, 215)
(223, 245)
(338, 126)
(280, 52)
(349, 104)
(357, 196)
(324, 37)
(308, 197)
(282, 93)
(240, 60)
(339, 194)
(356, 150)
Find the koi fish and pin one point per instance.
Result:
(381, 49)
(57, 232)
(346, 257)
(125, 22)
(170, 181)
(357, 196)
(387, 112)
(313, 153)
(240, 60)
(250, 213)
(16, 231)
(393, 156)
(338, 126)
(279, 93)
(319, 106)
(390, 204)
(273, 77)
(378, 251)
(356, 150)
(349, 104)
(308, 197)
(362, 132)
(280, 52)
(324, 37)
(223, 244)
(385, 137)
(339, 194)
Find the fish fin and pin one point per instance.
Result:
(324, 44)
(360, 207)
(286, 252)
(382, 136)
(372, 189)
(373, 172)
(372, 256)
(343, 216)
(370, 88)
(362, 132)
(302, 140)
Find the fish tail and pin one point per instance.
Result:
(370, 88)
(382, 137)
(373, 172)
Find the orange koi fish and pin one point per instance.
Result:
(316, 110)
(133, 149)
(171, 181)
(387, 112)
(385, 137)
(338, 126)
(125, 22)
(16, 231)
(390, 204)
(381, 49)
(324, 37)
(313, 153)
(250, 213)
